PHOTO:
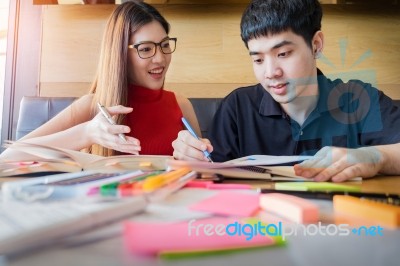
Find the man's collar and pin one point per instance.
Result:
(329, 93)
(269, 107)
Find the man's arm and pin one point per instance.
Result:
(391, 155)
(341, 164)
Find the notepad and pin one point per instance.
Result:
(290, 207)
(229, 203)
(381, 213)
(155, 238)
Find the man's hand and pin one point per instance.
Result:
(341, 164)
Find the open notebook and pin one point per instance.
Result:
(265, 167)
(249, 167)
(36, 158)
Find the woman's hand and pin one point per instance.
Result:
(102, 132)
(186, 147)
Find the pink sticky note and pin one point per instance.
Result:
(229, 203)
(204, 234)
(293, 208)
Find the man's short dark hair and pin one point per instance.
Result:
(267, 17)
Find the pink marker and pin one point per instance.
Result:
(228, 186)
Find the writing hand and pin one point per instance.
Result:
(341, 164)
(186, 147)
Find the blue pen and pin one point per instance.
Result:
(188, 127)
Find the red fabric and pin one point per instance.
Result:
(155, 120)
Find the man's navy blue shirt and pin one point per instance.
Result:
(353, 114)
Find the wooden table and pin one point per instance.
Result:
(300, 250)
(379, 184)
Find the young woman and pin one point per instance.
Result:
(135, 55)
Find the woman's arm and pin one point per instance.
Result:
(66, 129)
(188, 112)
(187, 147)
(74, 128)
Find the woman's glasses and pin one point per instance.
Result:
(148, 49)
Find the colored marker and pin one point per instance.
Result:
(133, 187)
(155, 182)
(112, 189)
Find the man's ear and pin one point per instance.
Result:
(318, 43)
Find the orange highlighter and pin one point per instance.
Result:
(155, 182)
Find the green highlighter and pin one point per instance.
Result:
(173, 255)
(316, 186)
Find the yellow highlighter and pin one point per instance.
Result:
(155, 182)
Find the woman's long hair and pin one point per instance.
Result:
(110, 86)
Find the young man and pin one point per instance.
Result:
(295, 109)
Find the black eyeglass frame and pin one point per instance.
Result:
(136, 46)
